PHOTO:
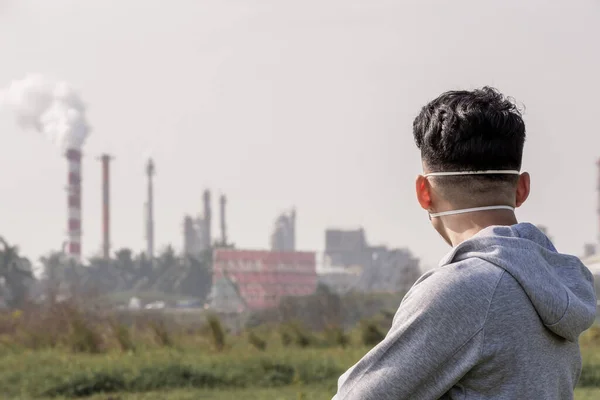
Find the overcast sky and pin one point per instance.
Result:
(279, 103)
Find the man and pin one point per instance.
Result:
(501, 317)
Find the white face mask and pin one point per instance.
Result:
(475, 209)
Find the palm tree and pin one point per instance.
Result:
(16, 274)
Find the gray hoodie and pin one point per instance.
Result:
(499, 319)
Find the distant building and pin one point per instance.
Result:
(339, 280)
(262, 278)
(197, 231)
(381, 269)
(390, 271)
(284, 233)
(346, 248)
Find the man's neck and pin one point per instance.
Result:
(464, 226)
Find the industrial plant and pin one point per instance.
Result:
(212, 272)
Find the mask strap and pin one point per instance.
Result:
(468, 210)
(475, 209)
(488, 172)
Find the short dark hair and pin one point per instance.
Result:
(470, 130)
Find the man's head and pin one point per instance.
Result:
(477, 130)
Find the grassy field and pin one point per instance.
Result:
(101, 359)
(240, 372)
(316, 392)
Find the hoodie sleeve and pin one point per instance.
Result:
(435, 339)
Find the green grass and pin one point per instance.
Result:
(580, 394)
(298, 392)
(209, 364)
(56, 373)
(171, 374)
(313, 392)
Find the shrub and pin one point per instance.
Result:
(318, 370)
(277, 374)
(83, 336)
(256, 341)
(371, 333)
(161, 333)
(336, 336)
(123, 337)
(217, 333)
(88, 384)
(302, 337)
(286, 336)
(296, 333)
(159, 377)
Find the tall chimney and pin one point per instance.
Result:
(293, 229)
(105, 159)
(74, 204)
(150, 211)
(207, 218)
(223, 202)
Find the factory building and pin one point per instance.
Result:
(347, 248)
(284, 232)
(390, 270)
(263, 278)
(351, 264)
(338, 279)
(197, 231)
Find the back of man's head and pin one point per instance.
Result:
(471, 131)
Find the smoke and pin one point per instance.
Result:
(51, 108)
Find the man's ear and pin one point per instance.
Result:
(523, 188)
(423, 190)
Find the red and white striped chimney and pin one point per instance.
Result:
(74, 204)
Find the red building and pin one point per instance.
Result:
(264, 277)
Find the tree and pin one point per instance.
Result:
(16, 274)
(198, 277)
(53, 275)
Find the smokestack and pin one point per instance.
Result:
(150, 211)
(293, 229)
(55, 110)
(207, 217)
(223, 202)
(74, 204)
(188, 233)
(105, 159)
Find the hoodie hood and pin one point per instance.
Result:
(559, 286)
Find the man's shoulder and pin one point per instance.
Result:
(471, 274)
(456, 296)
(471, 281)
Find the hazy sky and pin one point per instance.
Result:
(279, 103)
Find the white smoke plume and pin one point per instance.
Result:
(50, 107)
